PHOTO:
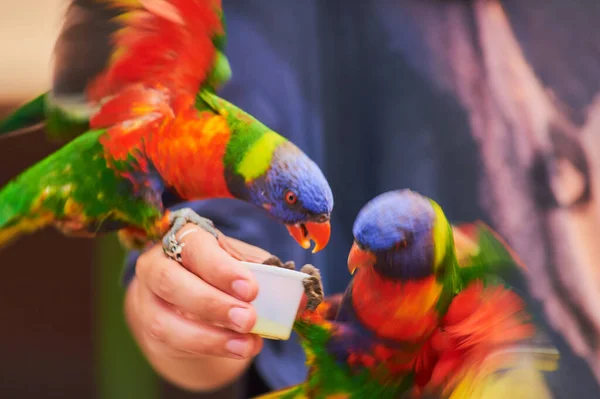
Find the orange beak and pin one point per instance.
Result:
(303, 233)
(359, 258)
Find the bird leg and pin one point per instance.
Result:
(313, 286)
(177, 219)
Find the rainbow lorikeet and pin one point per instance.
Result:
(156, 124)
(424, 315)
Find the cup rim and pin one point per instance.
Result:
(280, 271)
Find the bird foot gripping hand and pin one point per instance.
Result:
(313, 286)
(177, 219)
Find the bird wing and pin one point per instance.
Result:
(171, 43)
(524, 379)
(481, 251)
(106, 46)
(164, 53)
(488, 346)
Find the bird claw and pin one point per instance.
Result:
(275, 261)
(172, 247)
(313, 286)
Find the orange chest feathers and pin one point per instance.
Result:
(401, 311)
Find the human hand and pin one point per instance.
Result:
(201, 307)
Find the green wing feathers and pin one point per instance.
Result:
(482, 252)
(20, 206)
(63, 118)
(41, 193)
(76, 191)
(30, 116)
(67, 117)
(15, 201)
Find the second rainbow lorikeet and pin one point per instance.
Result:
(424, 315)
(158, 125)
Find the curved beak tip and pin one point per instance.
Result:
(305, 232)
(358, 258)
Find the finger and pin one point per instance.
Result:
(243, 251)
(183, 337)
(257, 345)
(203, 256)
(187, 292)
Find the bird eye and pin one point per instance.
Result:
(290, 197)
(360, 246)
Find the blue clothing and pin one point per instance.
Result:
(354, 87)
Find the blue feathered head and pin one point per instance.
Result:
(402, 234)
(294, 191)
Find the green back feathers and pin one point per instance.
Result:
(251, 146)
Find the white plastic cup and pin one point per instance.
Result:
(279, 294)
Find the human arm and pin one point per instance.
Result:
(192, 354)
(187, 349)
